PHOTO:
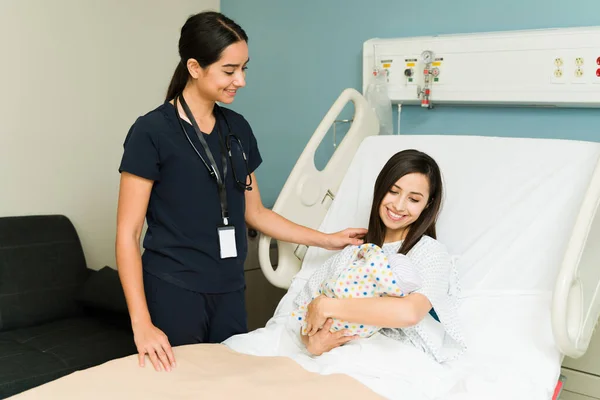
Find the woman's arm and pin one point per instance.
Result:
(134, 194)
(280, 228)
(388, 312)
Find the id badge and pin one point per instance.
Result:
(227, 241)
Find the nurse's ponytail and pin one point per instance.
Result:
(178, 81)
(204, 36)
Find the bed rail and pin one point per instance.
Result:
(576, 298)
(308, 192)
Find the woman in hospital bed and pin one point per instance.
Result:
(401, 235)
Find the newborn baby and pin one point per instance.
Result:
(370, 273)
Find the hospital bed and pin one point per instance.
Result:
(519, 217)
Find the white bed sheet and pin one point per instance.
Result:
(388, 367)
(507, 326)
(509, 209)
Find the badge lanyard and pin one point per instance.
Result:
(226, 233)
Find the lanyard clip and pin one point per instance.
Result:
(225, 218)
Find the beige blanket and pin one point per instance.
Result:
(203, 372)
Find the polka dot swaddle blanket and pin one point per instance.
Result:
(370, 273)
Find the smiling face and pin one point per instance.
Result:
(221, 80)
(403, 205)
(407, 197)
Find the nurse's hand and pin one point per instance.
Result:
(325, 341)
(339, 240)
(152, 341)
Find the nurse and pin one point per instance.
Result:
(188, 169)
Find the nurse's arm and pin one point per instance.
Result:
(275, 226)
(134, 194)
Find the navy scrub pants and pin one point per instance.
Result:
(188, 317)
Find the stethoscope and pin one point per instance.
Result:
(230, 139)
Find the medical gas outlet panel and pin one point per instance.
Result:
(551, 67)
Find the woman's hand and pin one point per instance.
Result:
(325, 341)
(317, 313)
(339, 240)
(152, 341)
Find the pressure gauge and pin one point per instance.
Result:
(427, 56)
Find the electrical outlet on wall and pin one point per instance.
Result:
(557, 74)
(579, 69)
(594, 67)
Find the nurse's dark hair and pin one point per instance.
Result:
(404, 163)
(204, 36)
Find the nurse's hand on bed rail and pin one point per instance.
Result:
(152, 341)
(325, 341)
(339, 240)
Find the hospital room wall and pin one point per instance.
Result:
(304, 53)
(74, 76)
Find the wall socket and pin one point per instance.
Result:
(558, 70)
(594, 69)
(576, 68)
(579, 70)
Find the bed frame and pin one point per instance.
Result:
(308, 192)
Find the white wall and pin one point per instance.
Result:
(74, 76)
